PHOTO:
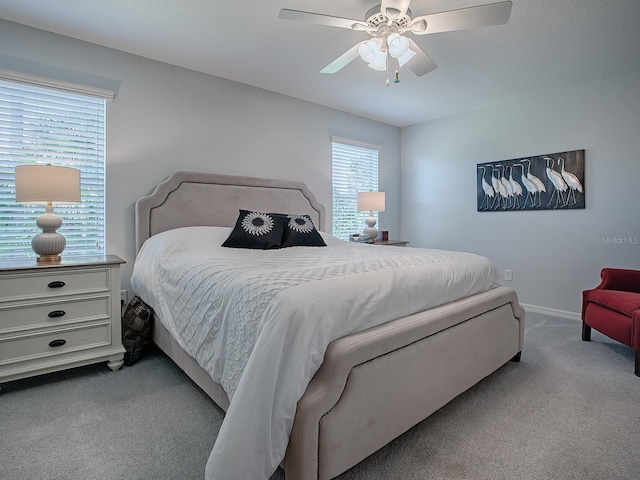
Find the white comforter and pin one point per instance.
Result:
(259, 321)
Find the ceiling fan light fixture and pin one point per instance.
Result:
(397, 45)
(380, 66)
(370, 50)
(379, 63)
(389, 20)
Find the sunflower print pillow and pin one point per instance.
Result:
(256, 230)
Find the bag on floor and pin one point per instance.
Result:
(136, 329)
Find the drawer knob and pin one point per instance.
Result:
(56, 284)
(57, 313)
(57, 343)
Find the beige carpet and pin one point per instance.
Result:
(568, 410)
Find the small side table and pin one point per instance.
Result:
(393, 243)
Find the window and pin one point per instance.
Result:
(60, 127)
(355, 169)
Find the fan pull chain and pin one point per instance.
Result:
(396, 74)
(387, 60)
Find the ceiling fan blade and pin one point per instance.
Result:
(394, 8)
(463, 19)
(421, 63)
(343, 60)
(321, 19)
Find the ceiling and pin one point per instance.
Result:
(546, 44)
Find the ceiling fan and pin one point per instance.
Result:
(386, 23)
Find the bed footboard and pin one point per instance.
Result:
(375, 385)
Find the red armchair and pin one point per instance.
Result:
(613, 308)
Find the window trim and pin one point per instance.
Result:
(356, 143)
(60, 85)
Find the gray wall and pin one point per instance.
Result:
(554, 255)
(166, 118)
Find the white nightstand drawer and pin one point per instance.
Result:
(63, 282)
(45, 344)
(53, 314)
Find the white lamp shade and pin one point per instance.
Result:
(371, 201)
(47, 183)
(380, 63)
(398, 45)
(370, 50)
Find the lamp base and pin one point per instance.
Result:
(48, 259)
(372, 232)
(370, 229)
(49, 244)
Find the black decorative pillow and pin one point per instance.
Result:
(299, 231)
(256, 230)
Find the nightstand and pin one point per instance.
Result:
(394, 243)
(59, 315)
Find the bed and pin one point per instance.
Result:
(370, 386)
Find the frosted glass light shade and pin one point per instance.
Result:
(371, 201)
(47, 184)
(370, 50)
(380, 63)
(398, 45)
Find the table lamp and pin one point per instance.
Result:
(371, 201)
(47, 184)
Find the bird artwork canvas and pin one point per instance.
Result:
(553, 181)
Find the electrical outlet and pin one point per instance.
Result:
(123, 297)
(508, 275)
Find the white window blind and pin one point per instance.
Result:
(39, 126)
(355, 169)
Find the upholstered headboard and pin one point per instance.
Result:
(187, 199)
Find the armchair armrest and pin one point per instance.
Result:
(620, 279)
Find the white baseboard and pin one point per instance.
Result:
(552, 311)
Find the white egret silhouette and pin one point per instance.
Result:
(557, 181)
(517, 188)
(501, 192)
(530, 186)
(494, 183)
(489, 192)
(507, 185)
(571, 180)
(504, 195)
(536, 181)
(504, 184)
